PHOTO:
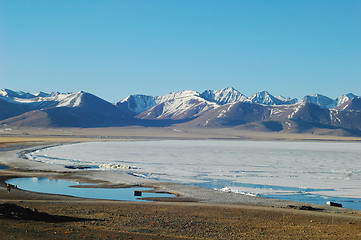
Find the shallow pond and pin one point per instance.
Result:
(62, 187)
(3, 166)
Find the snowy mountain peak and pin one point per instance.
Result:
(354, 103)
(140, 103)
(42, 94)
(344, 98)
(224, 96)
(180, 105)
(137, 103)
(264, 98)
(177, 95)
(320, 100)
(12, 94)
(287, 100)
(7, 93)
(42, 100)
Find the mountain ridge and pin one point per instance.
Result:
(212, 108)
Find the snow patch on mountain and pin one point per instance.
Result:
(297, 108)
(275, 112)
(70, 100)
(334, 116)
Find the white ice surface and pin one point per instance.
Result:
(315, 165)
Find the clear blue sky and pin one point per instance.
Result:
(117, 48)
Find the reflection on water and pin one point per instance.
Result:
(55, 186)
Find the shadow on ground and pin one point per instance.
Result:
(13, 211)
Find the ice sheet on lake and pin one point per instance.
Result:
(331, 168)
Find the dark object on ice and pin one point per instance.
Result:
(137, 193)
(334, 204)
(13, 211)
(77, 167)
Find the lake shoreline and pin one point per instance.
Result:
(282, 170)
(196, 201)
(20, 163)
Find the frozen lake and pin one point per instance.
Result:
(303, 171)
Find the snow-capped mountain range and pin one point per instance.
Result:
(212, 108)
(141, 103)
(78, 109)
